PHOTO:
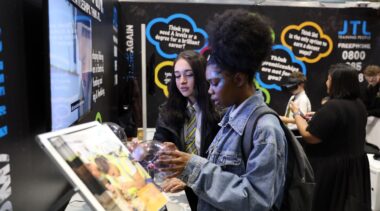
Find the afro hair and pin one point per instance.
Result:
(240, 40)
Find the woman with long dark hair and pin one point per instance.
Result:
(335, 138)
(187, 118)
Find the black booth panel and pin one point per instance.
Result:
(326, 23)
(31, 180)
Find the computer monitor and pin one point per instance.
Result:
(70, 49)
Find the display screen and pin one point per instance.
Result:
(70, 43)
(102, 169)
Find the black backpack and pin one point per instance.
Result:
(299, 182)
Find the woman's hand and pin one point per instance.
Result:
(173, 185)
(169, 146)
(309, 115)
(302, 125)
(173, 162)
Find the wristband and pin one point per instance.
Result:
(299, 112)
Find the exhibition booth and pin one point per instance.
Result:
(67, 64)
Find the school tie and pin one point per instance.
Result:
(191, 127)
(287, 113)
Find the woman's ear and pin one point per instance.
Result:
(240, 79)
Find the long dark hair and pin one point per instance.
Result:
(344, 82)
(176, 103)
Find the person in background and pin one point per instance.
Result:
(296, 86)
(372, 93)
(335, 138)
(188, 118)
(240, 41)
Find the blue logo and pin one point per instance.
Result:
(355, 25)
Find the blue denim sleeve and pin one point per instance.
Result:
(257, 189)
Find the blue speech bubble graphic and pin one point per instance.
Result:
(293, 60)
(167, 21)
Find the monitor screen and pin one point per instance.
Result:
(70, 43)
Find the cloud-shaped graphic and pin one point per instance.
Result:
(307, 41)
(174, 34)
(264, 91)
(157, 80)
(278, 66)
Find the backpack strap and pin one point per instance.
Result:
(247, 143)
(299, 182)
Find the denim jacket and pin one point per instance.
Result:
(224, 182)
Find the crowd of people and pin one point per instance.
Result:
(218, 175)
(207, 160)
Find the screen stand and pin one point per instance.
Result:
(61, 203)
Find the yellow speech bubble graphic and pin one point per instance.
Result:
(309, 39)
(157, 81)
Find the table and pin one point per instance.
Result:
(176, 202)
